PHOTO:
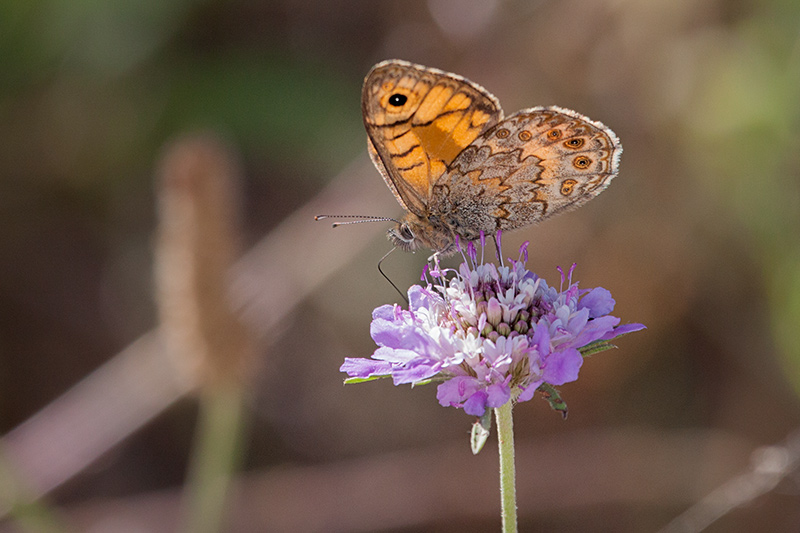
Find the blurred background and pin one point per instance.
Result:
(698, 238)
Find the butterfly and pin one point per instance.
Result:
(460, 169)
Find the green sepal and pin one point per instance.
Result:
(596, 347)
(480, 432)
(350, 381)
(553, 397)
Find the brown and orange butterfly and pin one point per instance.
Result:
(459, 168)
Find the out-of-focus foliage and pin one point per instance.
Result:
(698, 237)
(742, 129)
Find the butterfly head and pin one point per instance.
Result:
(414, 232)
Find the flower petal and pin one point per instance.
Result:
(476, 404)
(529, 390)
(498, 394)
(399, 356)
(577, 321)
(454, 392)
(417, 370)
(386, 312)
(622, 330)
(421, 298)
(364, 368)
(387, 332)
(598, 301)
(594, 330)
(541, 340)
(562, 366)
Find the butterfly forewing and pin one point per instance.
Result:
(418, 121)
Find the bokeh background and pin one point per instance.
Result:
(698, 238)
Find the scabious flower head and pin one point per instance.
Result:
(488, 334)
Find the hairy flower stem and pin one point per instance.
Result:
(508, 490)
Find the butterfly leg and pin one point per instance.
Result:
(434, 259)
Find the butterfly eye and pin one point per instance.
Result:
(397, 100)
(405, 233)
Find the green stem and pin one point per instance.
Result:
(28, 513)
(508, 491)
(215, 457)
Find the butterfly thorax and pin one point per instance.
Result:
(430, 231)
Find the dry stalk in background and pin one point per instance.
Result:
(134, 385)
(198, 233)
(198, 185)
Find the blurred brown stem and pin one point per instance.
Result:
(132, 387)
(769, 466)
(198, 184)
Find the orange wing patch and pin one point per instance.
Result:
(418, 121)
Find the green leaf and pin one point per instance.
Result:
(553, 397)
(350, 381)
(596, 347)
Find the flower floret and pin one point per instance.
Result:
(488, 334)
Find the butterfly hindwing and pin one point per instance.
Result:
(536, 163)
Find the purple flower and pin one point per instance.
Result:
(488, 334)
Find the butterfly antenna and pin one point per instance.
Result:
(387, 277)
(358, 219)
